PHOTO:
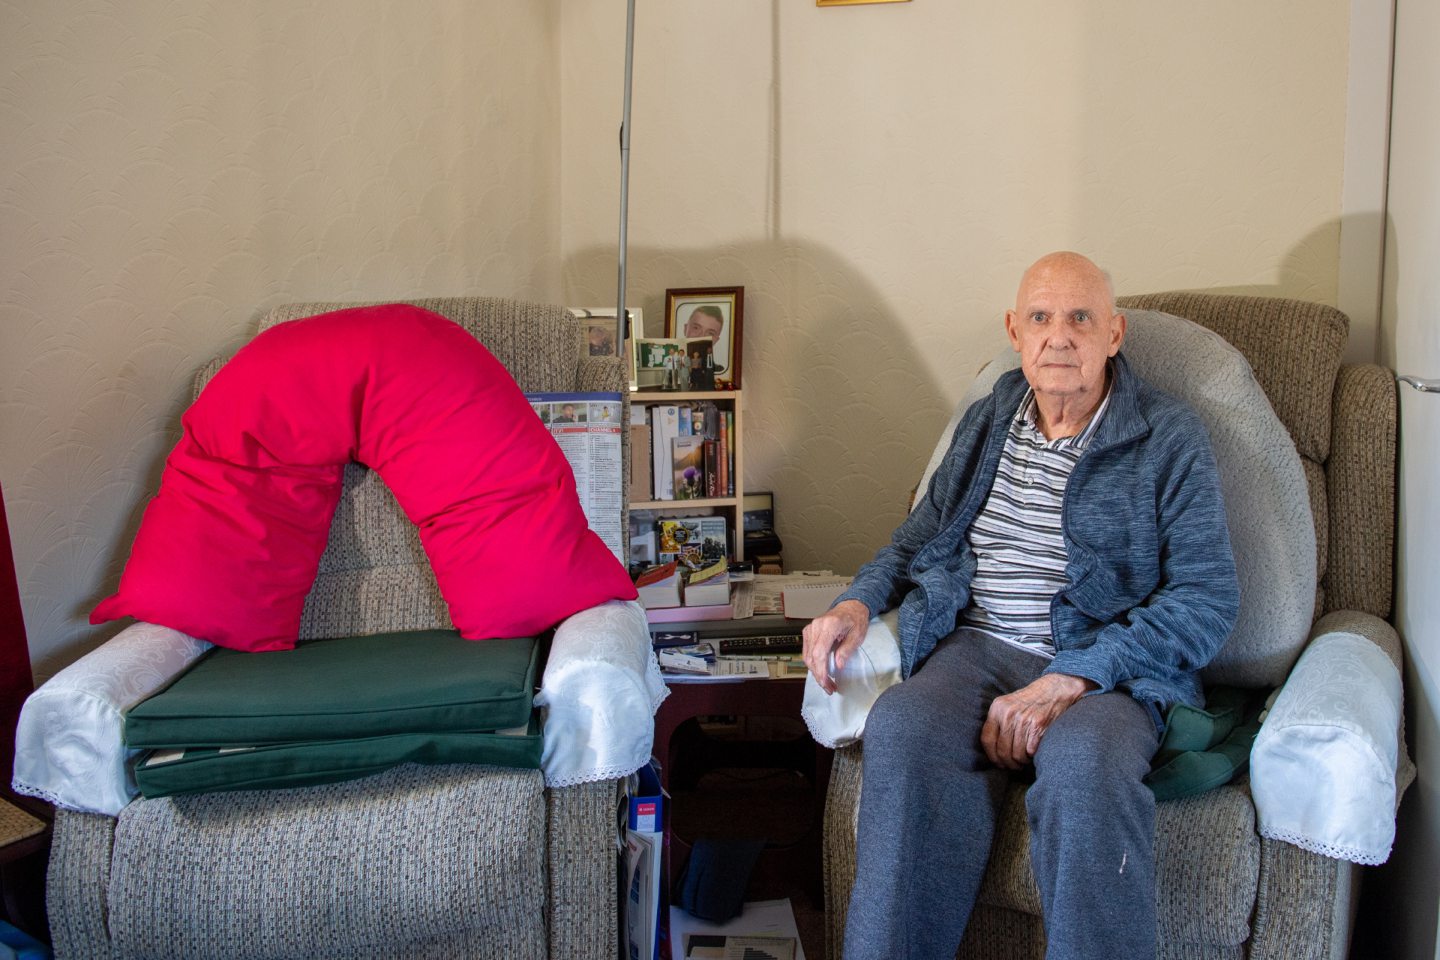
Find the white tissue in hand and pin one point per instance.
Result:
(838, 719)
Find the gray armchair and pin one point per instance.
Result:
(419, 861)
(1223, 890)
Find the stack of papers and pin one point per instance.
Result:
(765, 929)
(697, 662)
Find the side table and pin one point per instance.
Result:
(781, 866)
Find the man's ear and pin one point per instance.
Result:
(1010, 331)
(1117, 333)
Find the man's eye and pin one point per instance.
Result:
(1081, 316)
(1038, 317)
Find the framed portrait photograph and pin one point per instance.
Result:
(602, 335)
(715, 313)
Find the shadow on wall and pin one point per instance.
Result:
(840, 415)
(842, 405)
(117, 552)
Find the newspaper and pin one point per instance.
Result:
(587, 428)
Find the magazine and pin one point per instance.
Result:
(694, 541)
(587, 428)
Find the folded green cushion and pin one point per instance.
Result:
(350, 688)
(166, 773)
(1205, 749)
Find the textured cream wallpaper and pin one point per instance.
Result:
(171, 169)
(877, 177)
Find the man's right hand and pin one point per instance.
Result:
(840, 630)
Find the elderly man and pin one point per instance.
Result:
(1060, 583)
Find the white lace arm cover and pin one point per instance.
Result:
(838, 719)
(599, 695)
(69, 743)
(598, 698)
(1329, 766)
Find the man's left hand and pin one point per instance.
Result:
(1018, 720)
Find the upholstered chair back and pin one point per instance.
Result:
(1338, 417)
(374, 576)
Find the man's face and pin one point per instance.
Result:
(703, 325)
(1065, 328)
(567, 411)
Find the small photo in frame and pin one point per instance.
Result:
(602, 336)
(716, 313)
(665, 364)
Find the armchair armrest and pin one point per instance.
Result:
(69, 743)
(599, 695)
(838, 719)
(1329, 765)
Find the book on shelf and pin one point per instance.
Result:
(712, 469)
(703, 427)
(688, 458)
(664, 428)
(730, 453)
(722, 457)
(641, 483)
(708, 586)
(706, 419)
(659, 586)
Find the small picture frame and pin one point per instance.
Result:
(716, 313)
(602, 336)
(666, 364)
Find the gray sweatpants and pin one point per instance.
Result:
(930, 801)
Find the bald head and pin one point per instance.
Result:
(1072, 267)
(1065, 328)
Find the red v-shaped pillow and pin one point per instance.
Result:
(229, 547)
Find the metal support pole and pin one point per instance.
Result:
(620, 313)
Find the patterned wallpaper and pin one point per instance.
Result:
(877, 178)
(172, 169)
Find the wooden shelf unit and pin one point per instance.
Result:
(729, 507)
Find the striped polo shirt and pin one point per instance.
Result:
(1017, 539)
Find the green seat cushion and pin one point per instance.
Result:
(352, 688)
(1205, 749)
(164, 773)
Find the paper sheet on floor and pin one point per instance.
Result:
(766, 918)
